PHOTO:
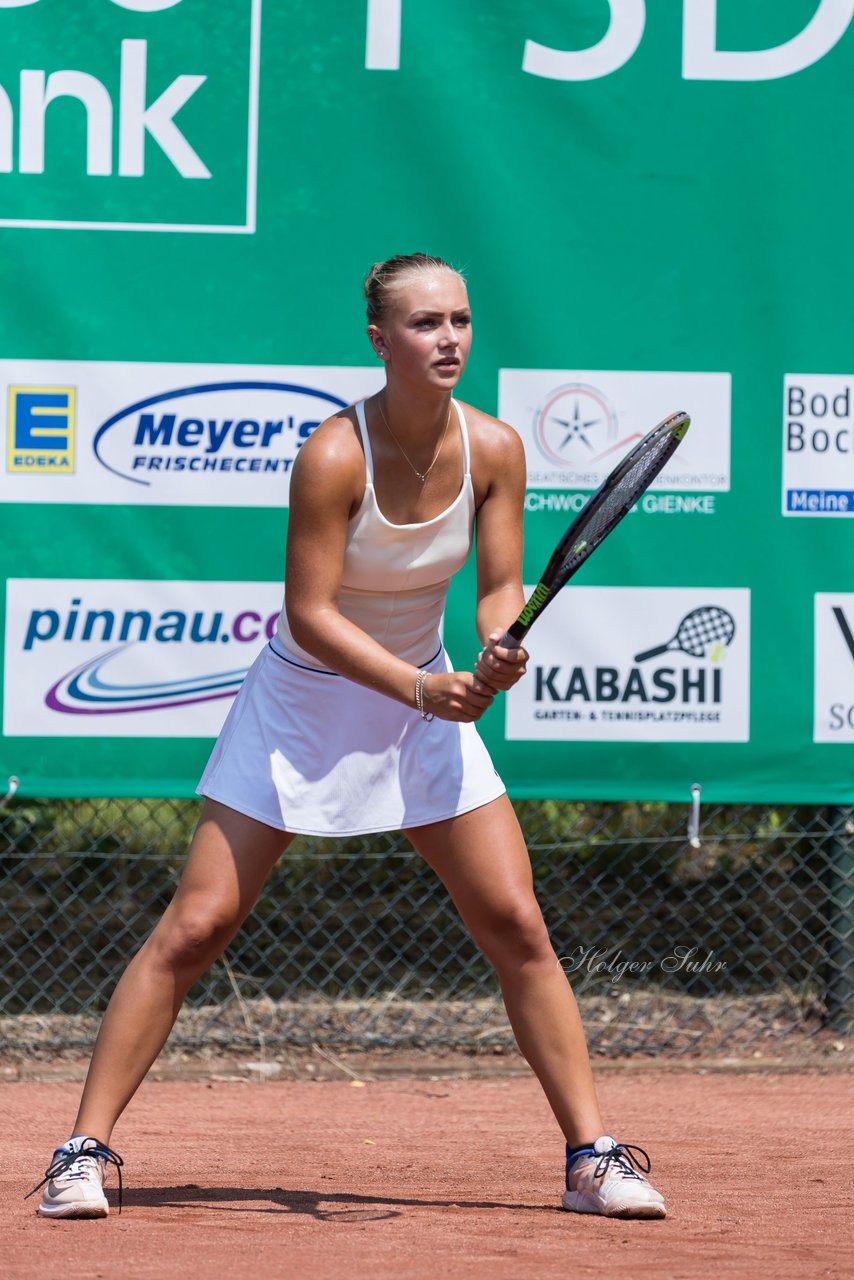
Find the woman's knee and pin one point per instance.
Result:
(193, 935)
(515, 934)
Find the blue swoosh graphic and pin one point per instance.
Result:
(157, 696)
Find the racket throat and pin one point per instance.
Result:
(538, 599)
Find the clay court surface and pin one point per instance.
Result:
(441, 1178)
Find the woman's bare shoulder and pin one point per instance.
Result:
(336, 438)
(493, 441)
(333, 454)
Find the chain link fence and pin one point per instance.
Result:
(743, 941)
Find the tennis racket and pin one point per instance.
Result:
(602, 512)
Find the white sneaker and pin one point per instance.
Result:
(74, 1183)
(612, 1182)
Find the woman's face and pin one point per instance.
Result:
(425, 334)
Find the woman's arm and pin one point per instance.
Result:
(500, 598)
(326, 487)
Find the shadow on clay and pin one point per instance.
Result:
(321, 1205)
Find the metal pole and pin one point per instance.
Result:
(839, 987)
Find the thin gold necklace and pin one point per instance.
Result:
(422, 475)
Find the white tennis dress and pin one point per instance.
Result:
(307, 750)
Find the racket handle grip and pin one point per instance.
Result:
(513, 637)
(651, 653)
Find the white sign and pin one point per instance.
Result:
(164, 434)
(818, 445)
(834, 667)
(91, 658)
(637, 664)
(576, 425)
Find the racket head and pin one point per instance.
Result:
(616, 496)
(603, 510)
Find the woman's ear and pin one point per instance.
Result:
(377, 341)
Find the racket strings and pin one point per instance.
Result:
(600, 514)
(618, 500)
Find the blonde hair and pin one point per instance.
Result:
(383, 275)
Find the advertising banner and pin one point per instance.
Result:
(818, 446)
(649, 664)
(834, 667)
(169, 435)
(577, 424)
(650, 208)
(100, 658)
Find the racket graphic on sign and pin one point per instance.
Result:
(698, 629)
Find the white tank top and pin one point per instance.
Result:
(396, 576)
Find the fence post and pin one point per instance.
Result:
(840, 920)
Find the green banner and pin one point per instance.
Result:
(651, 205)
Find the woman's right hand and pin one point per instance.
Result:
(456, 695)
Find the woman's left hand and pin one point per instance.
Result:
(498, 667)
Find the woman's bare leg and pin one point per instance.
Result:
(230, 857)
(482, 860)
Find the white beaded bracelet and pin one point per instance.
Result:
(420, 681)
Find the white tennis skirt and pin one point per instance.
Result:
(314, 753)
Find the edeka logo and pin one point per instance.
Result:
(41, 430)
(834, 667)
(121, 658)
(126, 119)
(577, 424)
(818, 445)
(638, 664)
(182, 435)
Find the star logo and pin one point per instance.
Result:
(575, 426)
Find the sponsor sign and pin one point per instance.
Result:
(834, 667)
(703, 57)
(818, 445)
(129, 659)
(126, 119)
(40, 436)
(577, 424)
(637, 664)
(165, 434)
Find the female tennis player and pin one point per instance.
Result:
(352, 721)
